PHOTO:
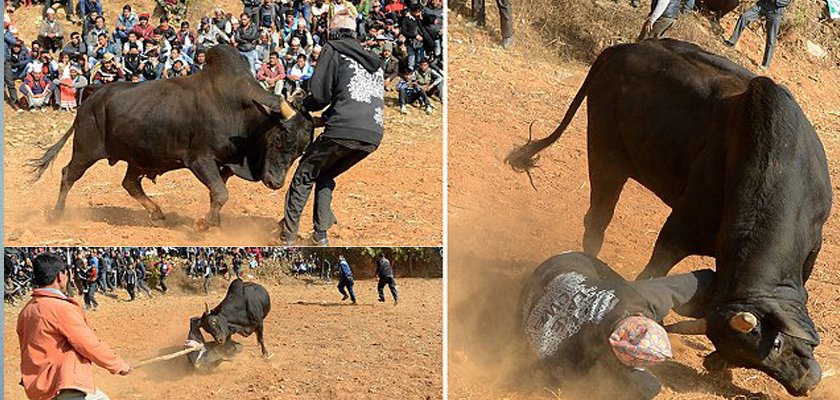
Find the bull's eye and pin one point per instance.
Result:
(777, 344)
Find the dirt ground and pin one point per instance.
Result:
(394, 197)
(495, 94)
(323, 348)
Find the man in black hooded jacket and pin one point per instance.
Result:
(350, 81)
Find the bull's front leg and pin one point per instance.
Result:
(207, 172)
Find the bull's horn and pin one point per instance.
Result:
(286, 110)
(206, 308)
(690, 327)
(743, 322)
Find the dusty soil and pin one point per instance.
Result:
(394, 197)
(323, 348)
(495, 94)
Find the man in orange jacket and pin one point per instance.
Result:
(56, 343)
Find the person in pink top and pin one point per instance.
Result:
(57, 345)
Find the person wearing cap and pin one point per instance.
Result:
(303, 36)
(143, 28)
(36, 88)
(582, 322)
(505, 17)
(51, 33)
(245, 40)
(390, 66)
(57, 344)
(75, 46)
(210, 35)
(347, 81)
(108, 71)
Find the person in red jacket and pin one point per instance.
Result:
(57, 345)
(36, 88)
(143, 29)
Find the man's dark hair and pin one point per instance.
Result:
(274, 53)
(46, 267)
(127, 7)
(102, 35)
(342, 33)
(75, 34)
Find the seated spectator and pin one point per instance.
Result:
(163, 45)
(410, 92)
(429, 79)
(16, 63)
(166, 30)
(390, 67)
(176, 69)
(185, 39)
(108, 71)
(314, 55)
(132, 41)
(124, 25)
(298, 76)
(320, 9)
(36, 89)
(68, 93)
(394, 9)
(200, 61)
(294, 48)
(35, 50)
(151, 69)
(222, 22)
(176, 55)
(271, 74)
(132, 60)
(143, 29)
(87, 7)
(178, 8)
(103, 46)
(51, 34)
(303, 36)
(92, 36)
(75, 46)
(375, 15)
(210, 35)
(264, 48)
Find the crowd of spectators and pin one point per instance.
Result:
(280, 39)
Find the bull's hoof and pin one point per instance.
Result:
(55, 215)
(267, 355)
(158, 219)
(203, 224)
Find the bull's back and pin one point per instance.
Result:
(660, 108)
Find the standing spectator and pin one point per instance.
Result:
(772, 11)
(245, 39)
(267, 15)
(36, 88)
(350, 81)
(163, 270)
(210, 35)
(271, 74)
(15, 68)
(207, 271)
(56, 343)
(51, 34)
(505, 17)
(142, 275)
(91, 274)
(143, 29)
(130, 279)
(325, 269)
(386, 277)
(417, 37)
(433, 20)
(75, 46)
(346, 280)
(252, 9)
(663, 14)
(236, 264)
(410, 92)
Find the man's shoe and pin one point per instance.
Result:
(763, 67)
(320, 238)
(381, 299)
(345, 297)
(429, 110)
(728, 43)
(403, 110)
(354, 302)
(396, 302)
(506, 42)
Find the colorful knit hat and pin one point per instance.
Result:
(639, 342)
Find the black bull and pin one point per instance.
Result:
(242, 311)
(746, 178)
(217, 123)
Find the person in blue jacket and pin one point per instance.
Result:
(346, 280)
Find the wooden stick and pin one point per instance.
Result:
(169, 356)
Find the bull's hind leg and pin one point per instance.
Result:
(132, 184)
(265, 352)
(679, 238)
(605, 190)
(71, 173)
(208, 173)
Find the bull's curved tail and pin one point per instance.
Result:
(39, 165)
(524, 158)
